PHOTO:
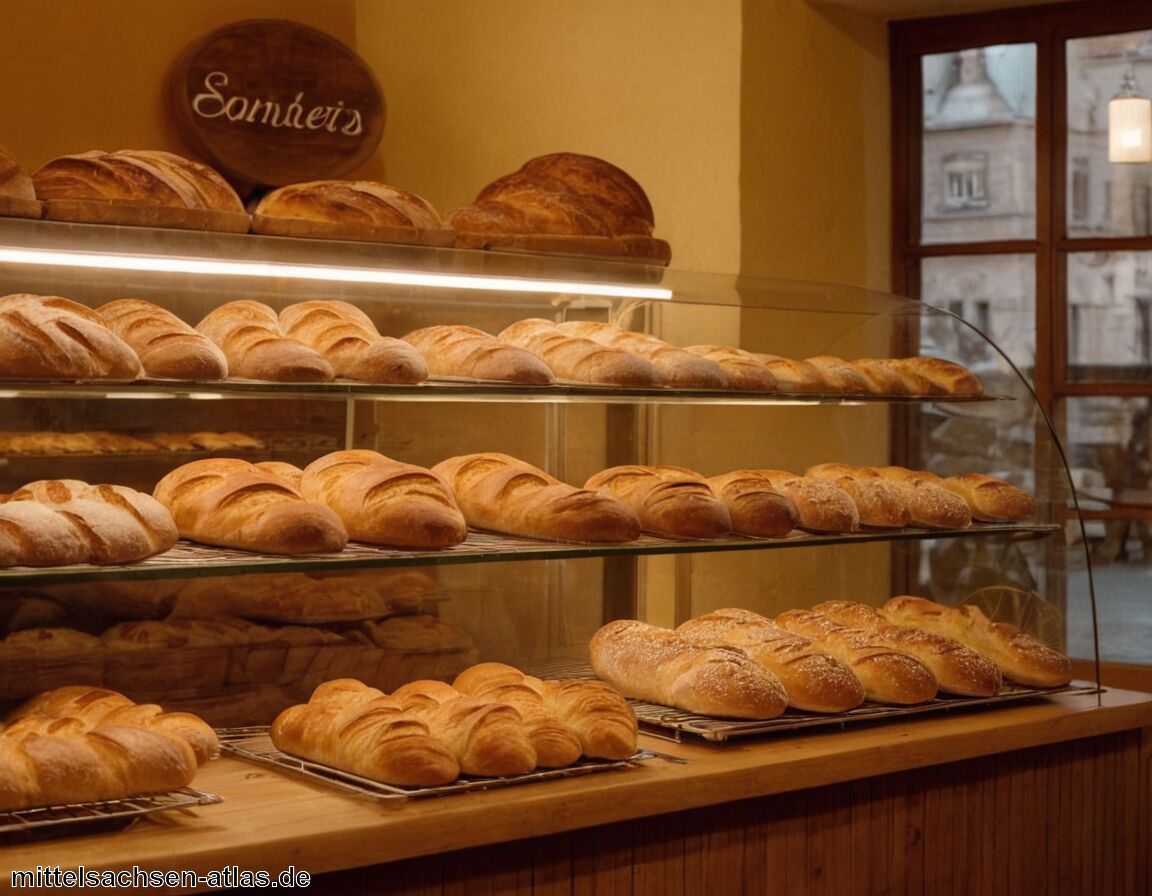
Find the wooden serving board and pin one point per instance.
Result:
(18, 207)
(640, 248)
(140, 214)
(327, 230)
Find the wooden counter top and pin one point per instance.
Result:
(269, 820)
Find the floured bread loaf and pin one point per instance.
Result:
(367, 204)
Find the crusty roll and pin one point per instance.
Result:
(53, 522)
(150, 177)
(385, 501)
(504, 494)
(1021, 658)
(555, 743)
(358, 729)
(814, 680)
(250, 335)
(667, 500)
(990, 499)
(793, 375)
(756, 508)
(879, 503)
(678, 367)
(348, 340)
(820, 505)
(659, 666)
(55, 338)
(958, 669)
(166, 345)
(462, 351)
(229, 502)
(745, 372)
(888, 675)
(929, 504)
(603, 720)
(370, 205)
(840, 377)
(487, 738)
(579, 359)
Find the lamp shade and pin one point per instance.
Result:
(1130, 129)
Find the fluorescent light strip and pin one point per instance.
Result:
(179, 265)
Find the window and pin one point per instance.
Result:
(1008, 213)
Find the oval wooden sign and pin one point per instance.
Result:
(272, 102)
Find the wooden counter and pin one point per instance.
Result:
(1055, 789)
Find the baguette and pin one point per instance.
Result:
(503, 494)
(659, 666)
(348, 340)
(678, 367)
(579, 359)
(463, 351)
(357, 729)
(1020, 657)
(229, 502)
(945, 377)
(166, 345)
(755, 507)
(384, 501)
(603, 720)
(889, 376)
(879, 503)
(989, 499)
(929, 504)
(556, 744)
(820, 505)
(840, 377)
(793, 375)
(958, 669)
(49, 337)
(250, 335)
(745, 372)
(888, 676)
(667, 500)
(814, 680)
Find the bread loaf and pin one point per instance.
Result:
(603, 720)
(744, 371)
(228, 502)
(462, 351)
(989, 499)
(579, 359)
(945, 377)
(793, 375)
(487, 739)
(555, 743)
(879, 503)
(820, 505)
(888, 675)
(958, 669)
(928, 503)
(504, 494)
(369, 205)
(840, 377)
(166, 345)
(14, 180)
(384, 501)
(678, 367)
(659, 666)
(348, 340)
(755, 507)
(890, 376)
(667, 500)
(250, 335)
(1021, 658)
(814, 680)
(49, 337)
(357, 729)
(149, 177)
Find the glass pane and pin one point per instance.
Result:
(1111, 459)
(1109, 316)
(1104, 199)
(979, 144)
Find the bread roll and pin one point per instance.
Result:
(369, 205)
(357, 729)
(603, 720)
(503, 494)
(820, 505)
(578, 359)
(462, 351)
(1021, 658)
(49, 337)
(755, 507)
(678, 367)
(348, 340)
(929, 504)
(657, 665)
(879, 503)
(814, 680)
(228, 502)
(958, 669)
(250, 335)
(745, 372)
(888, 675)
(989, 499)
(384, 501)
(667, 500)
(166, 345)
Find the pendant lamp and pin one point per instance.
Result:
(1130, 124)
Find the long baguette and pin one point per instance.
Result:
(667, 500)
(990, 499)
(659, 666)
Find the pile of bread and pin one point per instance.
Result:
(737, 664)
(492, 721)
(81, 744)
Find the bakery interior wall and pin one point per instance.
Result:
(758, 129)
